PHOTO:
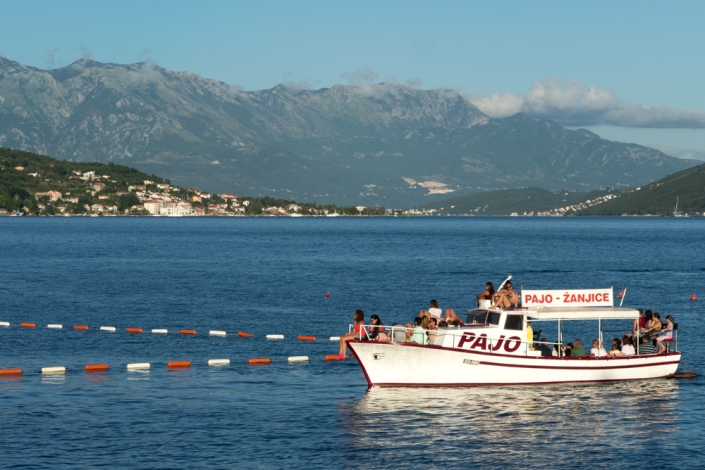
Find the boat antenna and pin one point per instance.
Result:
(501, 286)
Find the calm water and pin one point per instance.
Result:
(270, 276)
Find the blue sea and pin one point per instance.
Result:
(270, 276)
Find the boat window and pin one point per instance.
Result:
(483, 316)
(514, 322)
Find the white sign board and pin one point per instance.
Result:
(567, 298)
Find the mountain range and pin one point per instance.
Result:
(377, 144)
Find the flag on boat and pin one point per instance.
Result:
(621, 294)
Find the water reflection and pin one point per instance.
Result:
(514, 425)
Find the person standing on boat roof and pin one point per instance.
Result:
(507, 297)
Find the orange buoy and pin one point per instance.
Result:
(243, 334)
(10, 371)
(96, 367)
(187, 332)
(327, 293)
(27, 325)
(334, 357)
(81, 327)
(178, 364)
(693, 297)
(134, 330)
(307, 338)
(260, 360)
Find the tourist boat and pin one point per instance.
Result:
(491, 347)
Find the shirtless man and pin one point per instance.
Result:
(506, 298)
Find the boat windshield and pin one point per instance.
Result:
(483, 316)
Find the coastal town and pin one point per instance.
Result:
(76, 192)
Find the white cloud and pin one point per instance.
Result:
(571, 103)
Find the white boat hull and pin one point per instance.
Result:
(412, 365)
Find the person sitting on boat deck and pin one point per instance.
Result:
(597, 349)
(615, 351)
(432, 330)
(376, 328)
(419, 334)
(578, 350)
(665, 333)
(443, 324)
(487, 294)
(433, 310)
(653, 327)
(543, 347)
(628, 346)
(506, 298)
(358, 331)
(568, 350)
(450, 315)
(645, 347)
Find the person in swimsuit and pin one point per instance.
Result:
(357, 333)
(507, 297)
(487, 294)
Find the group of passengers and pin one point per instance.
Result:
(506, 297)
(651, 329)
(649, 332)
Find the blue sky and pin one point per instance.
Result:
(628, 70)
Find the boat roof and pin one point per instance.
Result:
(576, 313)
(583, 313)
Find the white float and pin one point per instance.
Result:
(335, 338)
(298, 359)
(160, 331)
(217, 333)
(108, 328)
(218, 362)
(54, 326)
(138, 366)
(4, 323)
(53, 370)
(275, 336)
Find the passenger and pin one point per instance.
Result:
(399, 334)
(450, 315)
(409, 330)
(628, 346)
(665, 333)
(376, 328)
(507, 297)
(433, 310)
(653, 327)
(568, 350)
(432, 331)
(457, 322)
(597, 349)
(618, 342)
(556, 350)
(615, 351)
(419, 334)
(443, 324)
(487, 294)
(578, 350)
(425, 321)
(646, 347)
(358, 330)
(648, 319)
(529, 335)
(639, 322)
(543, 347)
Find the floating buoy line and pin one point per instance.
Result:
(171, 365)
